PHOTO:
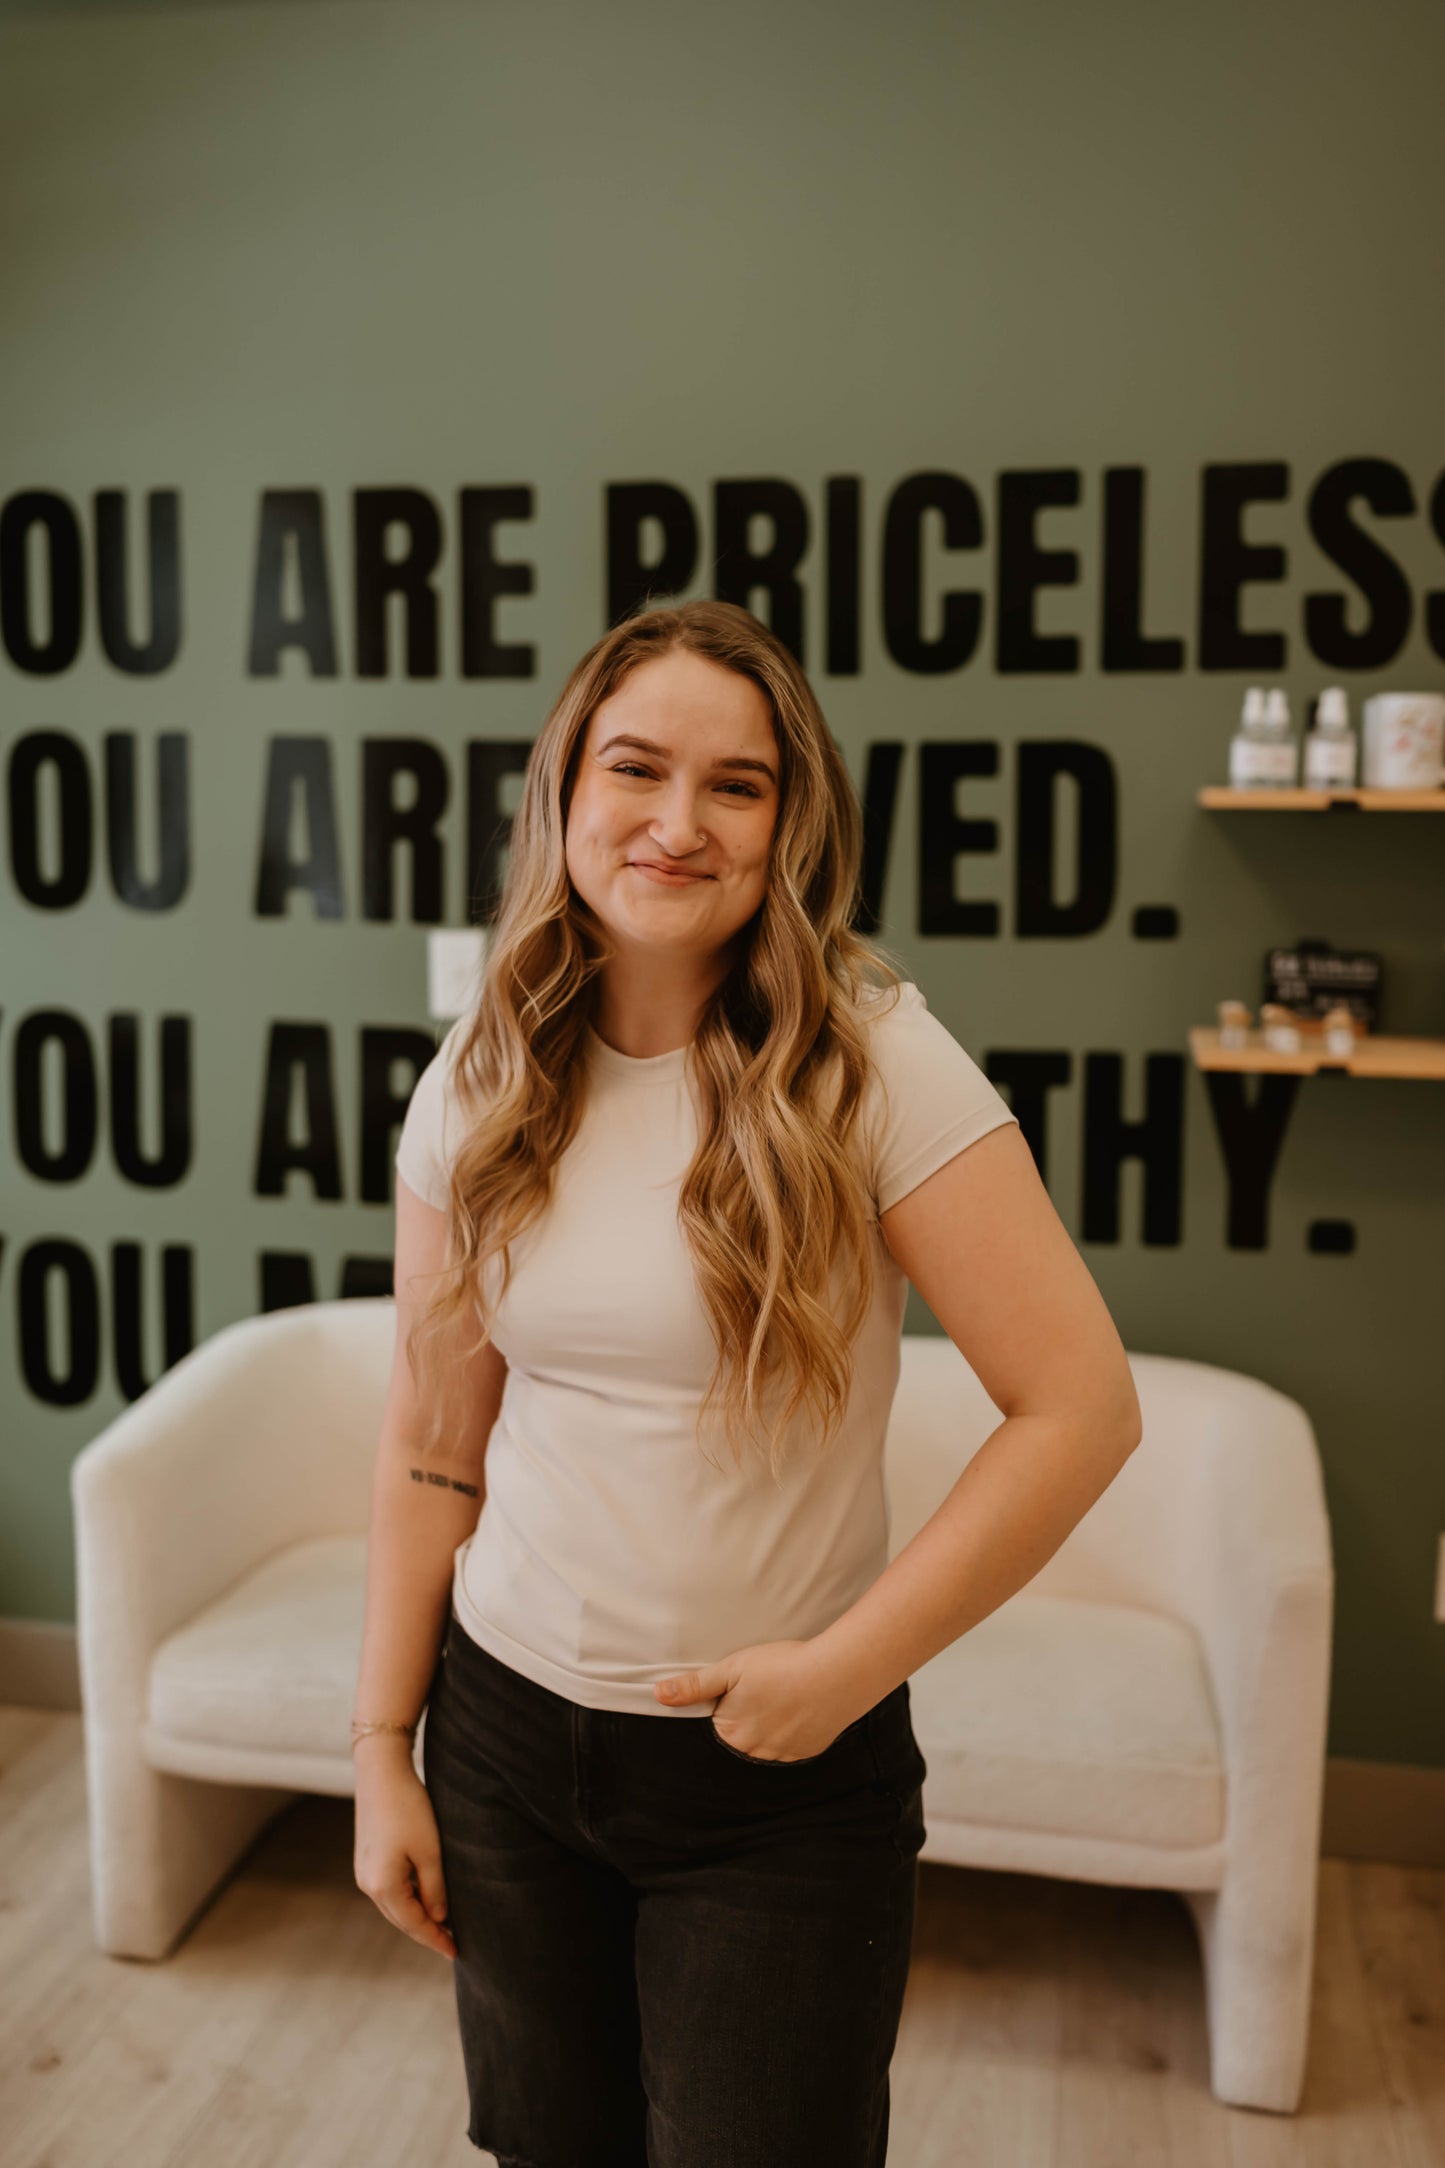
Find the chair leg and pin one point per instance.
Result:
(161, 1846)
(1258, 1972)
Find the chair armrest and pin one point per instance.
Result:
(262, 1436)
(1259, 1586)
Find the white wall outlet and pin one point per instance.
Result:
(1440, 1583)
(454, 958)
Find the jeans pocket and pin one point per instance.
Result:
(849, 1732)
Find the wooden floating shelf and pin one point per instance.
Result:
(1289, 799)
(1374, 1054)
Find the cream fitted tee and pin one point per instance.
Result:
(609, 1551)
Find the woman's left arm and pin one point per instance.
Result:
(983, 1245)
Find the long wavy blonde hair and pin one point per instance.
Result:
(775, 1207)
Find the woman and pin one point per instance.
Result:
(661, 1195)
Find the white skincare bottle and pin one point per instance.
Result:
(1262, 754)
(1331, 748)
(1282, 741)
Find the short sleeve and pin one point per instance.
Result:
(927, 1100)
(428, 1133)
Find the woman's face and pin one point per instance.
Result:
(698, 799)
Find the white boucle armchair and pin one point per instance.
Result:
(1150, 1709)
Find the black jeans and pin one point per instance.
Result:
(670, 1954)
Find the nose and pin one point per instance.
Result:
(675, 829)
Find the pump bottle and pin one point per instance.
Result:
(1331, 748)
(1262, 753)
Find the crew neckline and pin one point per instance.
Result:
(642, 1068)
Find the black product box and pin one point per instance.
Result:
(1312, 977)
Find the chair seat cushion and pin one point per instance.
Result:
(273, 1663)
(1088, 1718)
(1093, 1719)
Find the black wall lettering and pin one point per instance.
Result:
(380, 576)
(1122, 641)
(363, 1276)
(74, 1155)
(903, 637)
(307, 762)
(178, 1307)
(879, 798)
(73, 848)
(385, 824)
(943, 835)
(843, 548)
(172, 1096)
(291, 520)
(1227, 562)
(148, 657)
(485, 578)
(288, 1280)
(739, 570)
(635, 581)
(20, 609)
(1435, 600)
(68, 1327)
(1040, 764)
(1156, 1141)
(490, 763)
(1379, 640)
(1250, 1133)
(304, 1050)
(172, 820)
(1023, 568)
(383, 1107)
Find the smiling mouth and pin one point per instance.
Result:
(666, 873)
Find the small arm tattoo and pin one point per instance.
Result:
(448, 1482)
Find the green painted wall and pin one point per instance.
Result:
(562, 248)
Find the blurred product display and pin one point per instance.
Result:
(1401, 745)
(1314, 978)
(1339, 1030)
(1280, 1027)
(1331, 748)
(1404, 746)
(1234, 1023)
(1262, 753)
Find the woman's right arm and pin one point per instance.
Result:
(422, 1507)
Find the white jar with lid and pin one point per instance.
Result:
(1405, 741)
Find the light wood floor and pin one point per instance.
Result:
(1047, 2024)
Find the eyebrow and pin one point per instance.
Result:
(645, 745)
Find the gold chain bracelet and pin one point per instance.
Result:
(361, 1731)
